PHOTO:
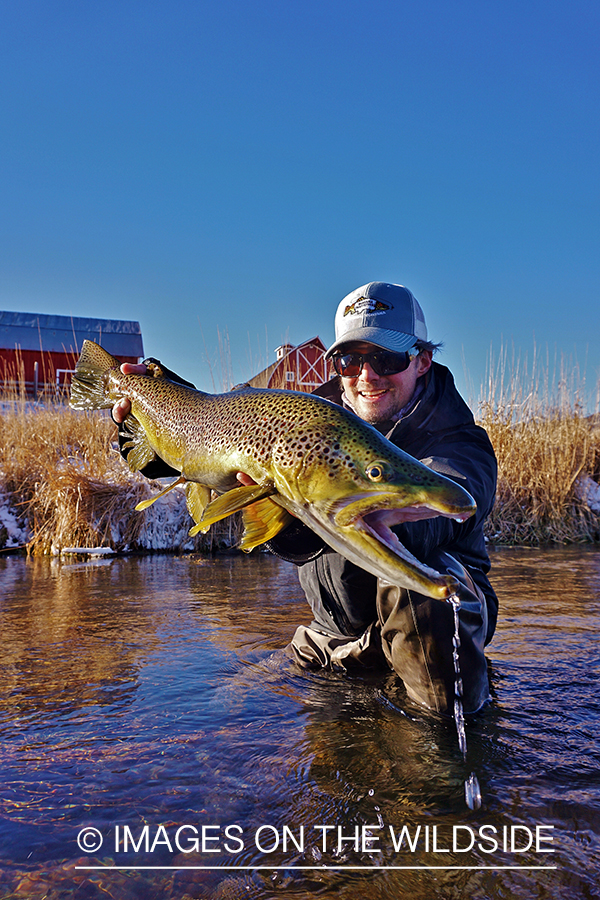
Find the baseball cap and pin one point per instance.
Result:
(386, 315)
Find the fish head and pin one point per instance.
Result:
(352, 485)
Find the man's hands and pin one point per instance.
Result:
(122, 408)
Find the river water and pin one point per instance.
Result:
(152, 699)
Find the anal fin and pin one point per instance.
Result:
(230, 502)
(262, 521)
(140, 451)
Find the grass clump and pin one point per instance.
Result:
(63, 476)
(67, 482)
(545, 444)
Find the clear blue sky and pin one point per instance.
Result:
(237, 167)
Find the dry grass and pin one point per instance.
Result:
(69, 483)
(60, 465)
(544, 442)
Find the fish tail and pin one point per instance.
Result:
(89, 385)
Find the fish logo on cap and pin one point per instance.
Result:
(365, 306)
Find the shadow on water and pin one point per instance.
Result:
(153, 699)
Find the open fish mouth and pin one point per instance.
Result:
(373, 524)
(373, 516)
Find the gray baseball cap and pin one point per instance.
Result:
(386, 315)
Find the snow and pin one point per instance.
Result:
(12, 532)
(88, 551)
(167, 523)
(589, 491)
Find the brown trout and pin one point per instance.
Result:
(309, 458)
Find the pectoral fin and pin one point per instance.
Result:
(146, 503)
(230, 502)
(197, 497)
(262, 521)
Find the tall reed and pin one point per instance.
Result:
(545, 442)
(58, 466)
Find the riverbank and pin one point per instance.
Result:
(63, 483)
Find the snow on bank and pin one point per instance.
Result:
(166, 523)
(13, 533)
(588, 490)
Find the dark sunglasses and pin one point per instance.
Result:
(383, 362)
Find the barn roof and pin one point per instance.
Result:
(65, 334)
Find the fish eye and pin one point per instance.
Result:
(379, 471)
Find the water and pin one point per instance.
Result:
(153, 700)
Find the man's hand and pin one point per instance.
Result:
(122, 407)
(244, 479)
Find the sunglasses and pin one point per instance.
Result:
(383, 362)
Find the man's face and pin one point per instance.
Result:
(377, 398)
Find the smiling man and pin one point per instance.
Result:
(386, 375)
(381, 350)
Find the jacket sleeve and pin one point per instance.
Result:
(473, 466)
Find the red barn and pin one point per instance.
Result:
(301, 368)
(40, 351)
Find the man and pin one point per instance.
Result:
(386, 375)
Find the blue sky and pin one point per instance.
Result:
(235, 168)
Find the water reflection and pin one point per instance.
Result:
(158, 692)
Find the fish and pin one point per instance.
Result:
(309, 458)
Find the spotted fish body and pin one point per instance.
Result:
(309, 458)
